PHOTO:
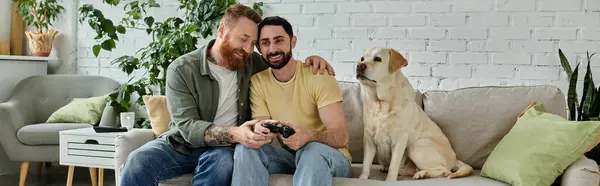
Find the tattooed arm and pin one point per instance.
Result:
(218, 136)
(244, 134)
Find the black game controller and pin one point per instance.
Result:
(284, 130)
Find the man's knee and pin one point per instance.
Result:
(316, 148)
(243, 152)
(318, 152)
(142, 158)
(317, 156)
(218, 159)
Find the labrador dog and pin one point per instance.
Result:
(407, 141)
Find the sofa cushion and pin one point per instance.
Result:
(45, 133)
(158, 113)
(376, 179)
(80, 110)
(539, 148)
(353, 112)
(475, 119)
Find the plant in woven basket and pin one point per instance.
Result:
(588, 109)
(41, 14)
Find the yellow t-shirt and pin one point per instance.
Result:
(296, 101)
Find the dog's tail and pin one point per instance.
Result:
(463, 170)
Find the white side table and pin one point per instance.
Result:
(86, 148)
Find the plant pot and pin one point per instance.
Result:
(40, 44)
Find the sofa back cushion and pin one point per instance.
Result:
(476, 119)
(44, 94)
(353, 114)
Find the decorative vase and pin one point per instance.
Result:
(40, 44)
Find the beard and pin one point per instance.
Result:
(278, 64)
(235, 58)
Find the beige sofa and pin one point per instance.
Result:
(474, 119)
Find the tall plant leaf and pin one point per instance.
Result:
(572, 94)
(595, 110)
(565, 63)
(588, 94)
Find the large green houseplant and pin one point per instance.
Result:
(41, 14)
(589, 107)
(170, 38)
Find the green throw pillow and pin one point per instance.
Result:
(80, 110)
(539, 148)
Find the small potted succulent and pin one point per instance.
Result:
(41, 14)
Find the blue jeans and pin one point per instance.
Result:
(156, 161)
(313, 164)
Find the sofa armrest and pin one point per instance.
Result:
(583, 171)
(12, 118)
(127, 143)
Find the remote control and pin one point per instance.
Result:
(100, 129)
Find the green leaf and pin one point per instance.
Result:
(108, 44)
(565, 63)
(135, 15)
(96, 50)
(121, 29)
(192, 28)
(595, 110)
(174, 52)
(107, 26)
(572, 94)
(588, 93)
(149, 21)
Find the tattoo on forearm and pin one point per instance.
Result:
(218, 136)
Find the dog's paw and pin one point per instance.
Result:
(363, 177)
(419, 175)
(384, 169)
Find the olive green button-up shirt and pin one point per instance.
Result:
(193, 94)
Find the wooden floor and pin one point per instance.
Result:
(57, 176)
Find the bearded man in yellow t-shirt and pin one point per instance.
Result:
(288, 93)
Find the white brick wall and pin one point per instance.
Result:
(449, 43)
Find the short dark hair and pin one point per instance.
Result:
(236, 11)
(276, 21)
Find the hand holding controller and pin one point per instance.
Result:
(284, 130)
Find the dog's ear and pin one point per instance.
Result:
(396, 60)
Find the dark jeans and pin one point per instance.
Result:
(156, 161)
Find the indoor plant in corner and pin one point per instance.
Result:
(41, 14)
(588, 109)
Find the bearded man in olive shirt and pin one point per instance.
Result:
(207, 96)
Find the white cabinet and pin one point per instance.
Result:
(13, 69)
(85, 148)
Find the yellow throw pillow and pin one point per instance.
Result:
(158, 113)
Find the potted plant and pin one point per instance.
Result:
(588, 108)
(40, 14)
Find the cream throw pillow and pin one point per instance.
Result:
(158, 113)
